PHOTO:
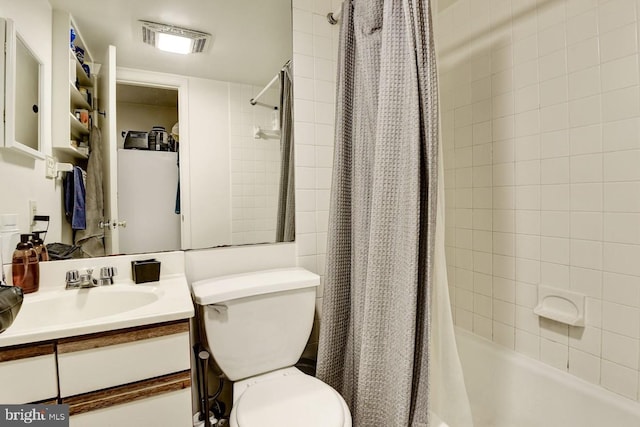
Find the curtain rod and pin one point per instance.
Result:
(254, 101)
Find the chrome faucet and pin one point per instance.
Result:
(76, 280)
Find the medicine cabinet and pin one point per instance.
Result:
(21, 95)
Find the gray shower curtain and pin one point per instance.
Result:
(285, 226)
(375, 327)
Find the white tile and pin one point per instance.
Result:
(586, 253)
(586, 168)
(482, 305)
(586, 225)
(527, 123)
(587, 339)
(586, 280)
(527, 98)
(503, 197)
(585, 82)
(554, 354)
(622, 135)
(582, 27)
(620, 349)
(619, 379)
(550, 66)
(504, 289)
(555, 275)
(482, 284)
(555, 197)
(554, 91)
(480, 155)
(618, 43)
(503, 151)
(527, 172)
(482, 176)
(554, 250)
(527, 344)
(622, 228)
(527, 320)
(555, 117)
(586, 197)
(504, 335)
(504, 174)
(464, 319)
(483, 111)
(585, 111)
(584, 365)
(481, 89)
(528, 270)
(526, 295)
(527, 246)
(555, 223)
(503, 244)
(482, 198)
(622, 166)
(482, 262)
(527, 197)
(621, 104)
(554, 144)
(527, 49)
(586, 139)
(621, 289)
(582, 55)
(504, 266)
(616, 13)
(577, 7)
(551, 39)
(482, 240)
(482, 326)
(527, 148)
(482, 219)
(527, 74)
(621, 319)
(620, 73)
(527, 222)
(502, 82)
(622, 196)
(503, 128)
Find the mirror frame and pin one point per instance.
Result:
(10, 36)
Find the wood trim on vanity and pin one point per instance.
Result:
(127, 393)
(25, 351)
(121, 336)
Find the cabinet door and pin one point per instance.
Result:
(28, 374)
(163, 401)
(107, 104)
(98, 361)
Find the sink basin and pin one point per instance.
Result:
(80, 305)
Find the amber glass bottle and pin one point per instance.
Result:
(25, 267)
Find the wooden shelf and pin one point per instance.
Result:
(72, 151)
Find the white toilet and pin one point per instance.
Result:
(256, 326)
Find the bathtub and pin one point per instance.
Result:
(507, 389)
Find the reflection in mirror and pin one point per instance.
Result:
(234, 163)
(22, 93)
(27, 96)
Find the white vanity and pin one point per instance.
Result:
(117, 354)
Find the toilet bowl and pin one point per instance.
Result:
(256, 326)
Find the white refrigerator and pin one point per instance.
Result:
(147, 191)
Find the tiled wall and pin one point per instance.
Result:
(314, 66)
(255, 167)
(541, 134)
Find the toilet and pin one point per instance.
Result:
(256, 326)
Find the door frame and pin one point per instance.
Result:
(181, 84)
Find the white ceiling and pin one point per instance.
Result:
(251, 38)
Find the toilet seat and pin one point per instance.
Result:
(290, 401)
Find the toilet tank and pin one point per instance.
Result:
(257, 322)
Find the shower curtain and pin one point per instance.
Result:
(383, 289)
(285, 226)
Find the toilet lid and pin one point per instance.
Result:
(290, 401)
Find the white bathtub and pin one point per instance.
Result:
(507, 389)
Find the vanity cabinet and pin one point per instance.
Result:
(70, 84)
(134, 376)
(28, 373)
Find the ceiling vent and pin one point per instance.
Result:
(174, 39)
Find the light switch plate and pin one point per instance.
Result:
(50, 167)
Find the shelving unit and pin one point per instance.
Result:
(68, 78)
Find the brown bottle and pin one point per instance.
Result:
(25, 268)
(38, 245)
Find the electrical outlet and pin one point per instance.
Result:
(33, 211)
(50, 167)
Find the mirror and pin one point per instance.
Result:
(251, 43)
(22, 97)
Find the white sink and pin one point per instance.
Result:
(61, 313)
(77, 305)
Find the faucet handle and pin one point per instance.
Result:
(107, 274)
(72, 278)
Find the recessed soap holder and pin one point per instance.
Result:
(561, 305)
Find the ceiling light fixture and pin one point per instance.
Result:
(174, 39)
